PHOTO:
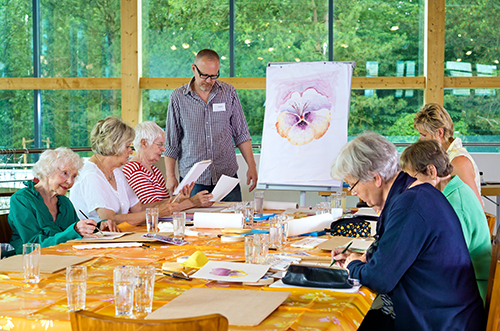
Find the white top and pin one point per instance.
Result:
(92, 190)
(456, 149)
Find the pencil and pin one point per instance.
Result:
(98, 230)
(175, 198)
(343, 251)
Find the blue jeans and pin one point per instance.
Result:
(234, 195)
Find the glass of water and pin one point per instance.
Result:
(124, 285)
(76, 286)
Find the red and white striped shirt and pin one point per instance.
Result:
(149, 187)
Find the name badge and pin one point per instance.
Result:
(219, 107)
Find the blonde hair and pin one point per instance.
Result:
(52, 159)
(150, 131)
(110, 135)
(432, 117)
(423, 153)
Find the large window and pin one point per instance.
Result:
(80, 76)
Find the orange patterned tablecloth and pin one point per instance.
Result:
(43, 306)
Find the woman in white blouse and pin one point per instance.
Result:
(102, 191)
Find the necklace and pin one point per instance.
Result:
(110, 178)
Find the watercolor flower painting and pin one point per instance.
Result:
(304, 117)
(228, 272)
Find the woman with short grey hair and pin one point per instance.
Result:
(419, 263)
(102, 191)
(146, 179)
(40, 213)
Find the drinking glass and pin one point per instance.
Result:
(258, 199)
(275, 232)
(123, 284)
(248, 213)
(76, 286)
(152, 219)
(144, 289)
(31, 260)
(248, 248)
(260, 247)
(179, 223)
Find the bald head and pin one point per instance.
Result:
(206, 54)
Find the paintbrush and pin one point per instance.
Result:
(98, 230)
(343, 251)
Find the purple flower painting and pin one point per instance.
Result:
(304, 117)
(228, 272)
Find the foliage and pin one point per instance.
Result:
(81, 38)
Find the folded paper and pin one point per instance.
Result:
(280, 205)
(309, 224)
(218, 220)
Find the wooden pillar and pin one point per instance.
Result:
(434, 51)
(131, 43)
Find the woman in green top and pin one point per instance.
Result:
(429, 163)
(40, 213)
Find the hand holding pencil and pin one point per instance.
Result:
(336, 256)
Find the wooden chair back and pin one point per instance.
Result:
(5, 230)
(492, 219)
(493, 310)
(85, 320)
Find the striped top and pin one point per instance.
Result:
(199, 131)
(149, 187)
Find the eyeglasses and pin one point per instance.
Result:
(350, 188)
(205, 76)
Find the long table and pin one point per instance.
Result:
(43, 306)
(493, 190)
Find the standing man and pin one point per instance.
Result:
(204, 119)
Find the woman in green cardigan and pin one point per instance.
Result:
(40, 213)
(429, 163)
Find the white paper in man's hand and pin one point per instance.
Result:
(193, 174)
(223, 187)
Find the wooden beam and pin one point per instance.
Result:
(434, 51)
(131, 61)
(60, 83)
(385, 83)
(378, 83)
(173, 83)
(472, 82)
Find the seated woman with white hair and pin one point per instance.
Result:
(40, 213)
(102, 191)
(146, 179)
(429, 163)
(419, 263)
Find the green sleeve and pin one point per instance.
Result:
(31, 224)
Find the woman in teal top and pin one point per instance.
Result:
(428, 162)
(40, 213)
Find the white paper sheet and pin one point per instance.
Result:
(107, 235)
(280, 205)
(280, 284)
(309, 224)
(193, 174)
(223, 187)
(231, 271)
(218, 220)
(366, 211)
(110, 245)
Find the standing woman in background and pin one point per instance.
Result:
(434, 122)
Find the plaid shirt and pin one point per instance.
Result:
(199, 131)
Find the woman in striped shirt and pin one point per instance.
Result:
(145, 178)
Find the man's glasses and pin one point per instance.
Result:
(205, 76)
